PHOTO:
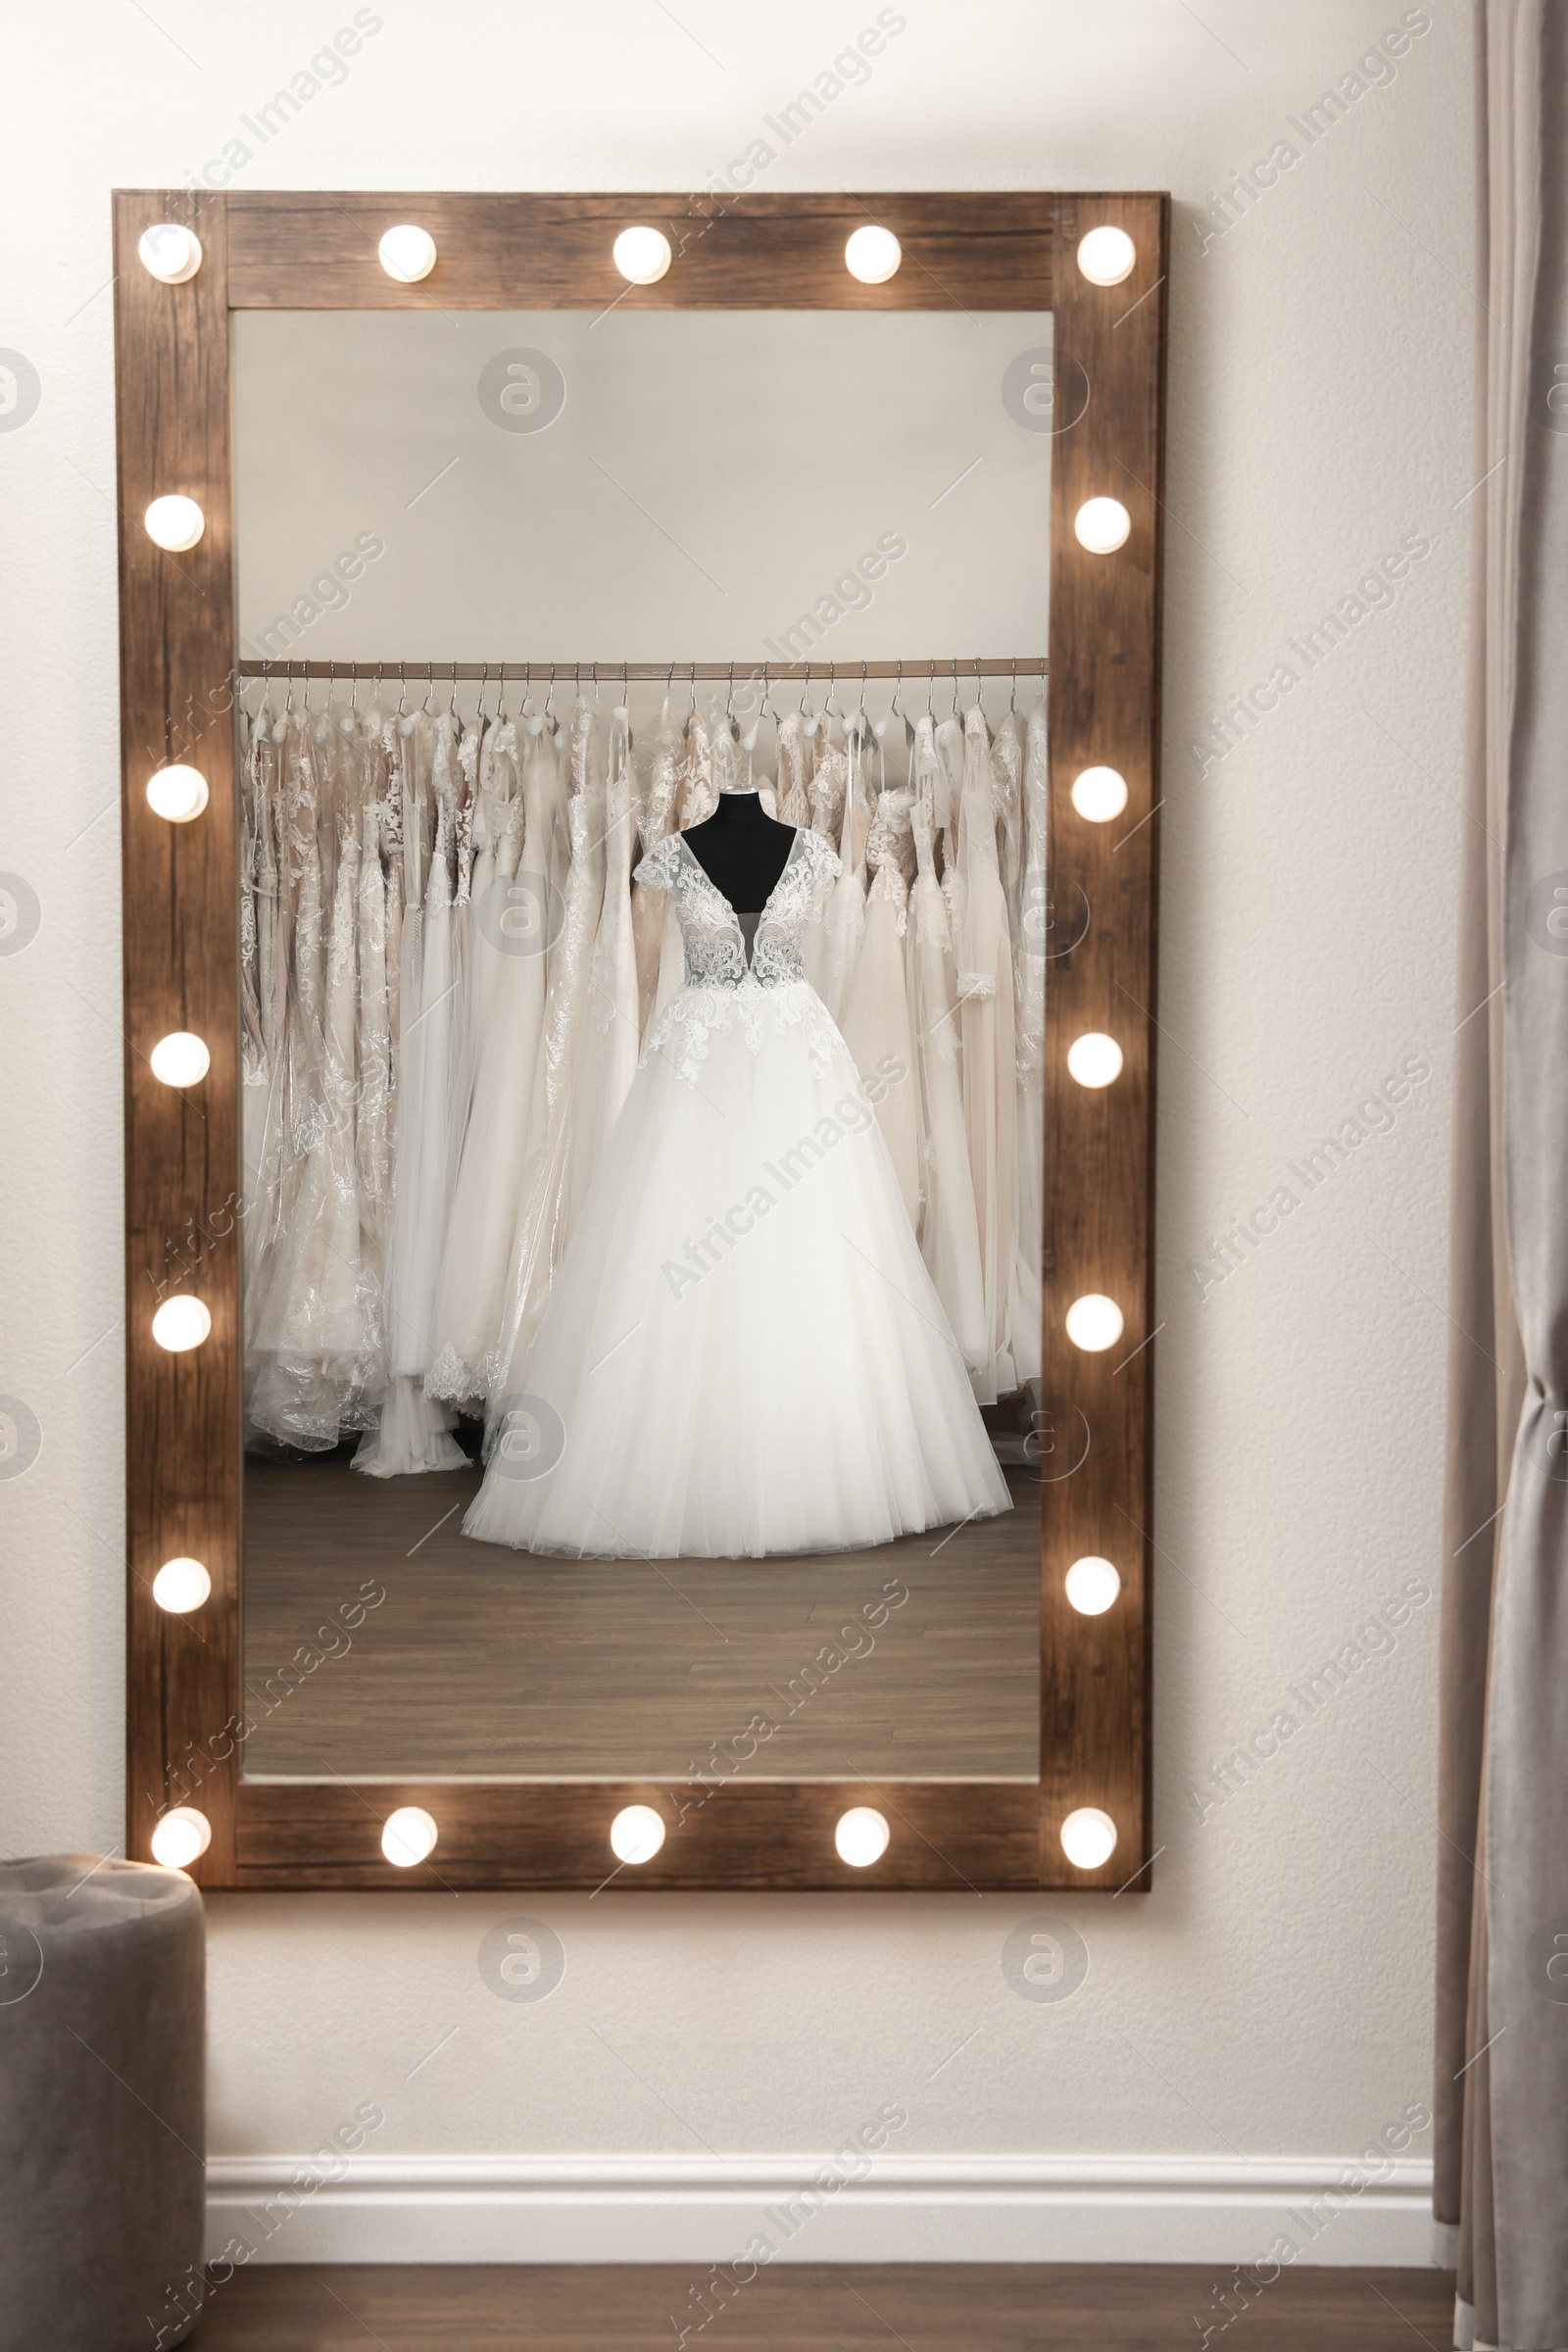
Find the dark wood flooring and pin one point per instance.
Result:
(927, 2307)
(486, 1662)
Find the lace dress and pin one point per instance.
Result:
(876, 1006)
(743, 1354)
(989, 1076)
(611, 1023)
(950, 1237)
(507, 971)
(545, 1200)
(1029, 982)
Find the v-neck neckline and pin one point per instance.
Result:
(748, 954)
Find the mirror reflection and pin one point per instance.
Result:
(644, 939)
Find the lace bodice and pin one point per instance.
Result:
(711, 928)
(763, 997)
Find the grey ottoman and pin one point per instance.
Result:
(102, 2062)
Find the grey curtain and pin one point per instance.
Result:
(1502, 2183)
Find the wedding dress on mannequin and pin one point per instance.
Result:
(741, 1352)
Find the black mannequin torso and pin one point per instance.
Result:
(742, 850)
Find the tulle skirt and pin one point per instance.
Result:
(742, 1352)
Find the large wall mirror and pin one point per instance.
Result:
(640, 1002)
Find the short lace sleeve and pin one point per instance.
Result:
(824, 865)
(657, 869)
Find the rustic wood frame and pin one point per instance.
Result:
(178, 665)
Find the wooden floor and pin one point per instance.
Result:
(484, 1661)
(927, 2307)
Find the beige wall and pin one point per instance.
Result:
(1271, 1997)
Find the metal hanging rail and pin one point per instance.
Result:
(653, 674)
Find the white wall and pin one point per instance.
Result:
(1270, 2000)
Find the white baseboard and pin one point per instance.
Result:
(915, 2209)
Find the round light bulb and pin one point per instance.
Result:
(1094, 1322)
(1099, 794)
(1106, 256)
(182, 1322)
(642, 254)
(408, 1836)
(636, 1834)
(170, 253)
(1088, 1838)
(179, 1059)
(177, 794)
(407, 252)
(180, 1837)
(872, 254)
(181, 1585)
(1101, 525)
(175, 523)
(861, 1837)
(1094, 1058)
(1092, 1584)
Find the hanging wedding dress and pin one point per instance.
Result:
(743, 1354)
(876, 1006)
(950, 1235)
(1029, 977)
(656, 815)
(507, 972)
(990, 1081)
(412, 1434)
(545, 1206)
(611, 1027)
(833, 944)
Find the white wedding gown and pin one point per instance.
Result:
(741, 1352)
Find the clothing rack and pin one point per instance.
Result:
(651, 673)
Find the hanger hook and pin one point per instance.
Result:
(862, 685)
(549, 698)
(729, 705)
(1014, 704)
(806, 687)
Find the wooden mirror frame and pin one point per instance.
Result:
(187, 1724)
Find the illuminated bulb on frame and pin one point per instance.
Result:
(642, 254)
(177, 794)
(182, 1322)
(636, 1834)
(1106, 256)
(1093, 1059)
(175, 523)
(407, 252)
(170, 253)
(872, 254)
(1093, 1585)
(1099, 794)
(1088, 1838)
(861, 1837)
(181, 1058)
(1094, 1322)
(1101, 525)
(181, 1585)
(182, 1836)
(408, 1836)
